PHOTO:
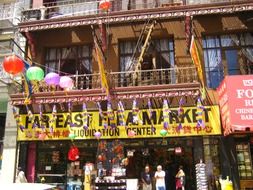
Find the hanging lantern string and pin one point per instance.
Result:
(121, 116)
(41, 118)
(85, 117)
(18, 119)
(200, 110)
(135, 111)
(97, 16)
(42, 65)
(166, 112)
(150, 111)
(104, 123)
(110, 115)
(54, 111)
(180, 112)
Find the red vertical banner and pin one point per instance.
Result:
(223, 102)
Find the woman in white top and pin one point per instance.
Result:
(160, 178)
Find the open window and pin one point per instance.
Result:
(73, 60)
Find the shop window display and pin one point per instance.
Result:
(114, 163)
(244, 161)
(51, 165)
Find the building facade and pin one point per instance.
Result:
(138, 70)
(11, 41)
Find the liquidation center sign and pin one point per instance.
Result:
(65, 124)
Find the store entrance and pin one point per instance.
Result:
(107, 156)
(170, 154)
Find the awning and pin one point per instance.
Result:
(236, 103)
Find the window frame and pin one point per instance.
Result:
(58, 57)
(220, 49)
(170, 51)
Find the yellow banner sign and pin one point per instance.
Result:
(149, 127)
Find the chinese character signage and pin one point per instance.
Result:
(236, 103)
(64, 124)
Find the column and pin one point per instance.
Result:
(9, 148)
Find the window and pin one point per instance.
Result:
(6, 47)
(75, 60)
(227, 55)
(162, 50)
(244, 161)
(69, 60)
(159, 56)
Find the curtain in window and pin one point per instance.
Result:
(245, 40)
(78, 58)
(126, 60)
(163, 50)
(213, 64)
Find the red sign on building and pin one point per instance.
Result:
(236, 103)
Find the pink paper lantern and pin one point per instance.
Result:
(97, 135)
(42, 136)
(131, 133)
(66, 82)
(52, 79)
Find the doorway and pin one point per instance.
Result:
(169, 153)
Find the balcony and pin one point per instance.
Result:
(63, 14)
(70, 8)
(123, 85)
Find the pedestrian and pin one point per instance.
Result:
(20, 176)
(180, 179)
(146, 178)
(160, 178)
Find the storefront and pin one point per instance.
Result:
(67, 149)
(236, 105)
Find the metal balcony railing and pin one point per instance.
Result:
(144, 78)
(6, 11)
(182, 75)
(68, 8)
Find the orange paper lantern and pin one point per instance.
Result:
(105, 5)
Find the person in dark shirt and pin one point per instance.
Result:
(146, 178)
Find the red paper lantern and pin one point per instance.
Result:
(13, 64)
(73, 153)
(105, 5)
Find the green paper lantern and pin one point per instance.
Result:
(35, 73)
(72, 136)
(163, 132)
